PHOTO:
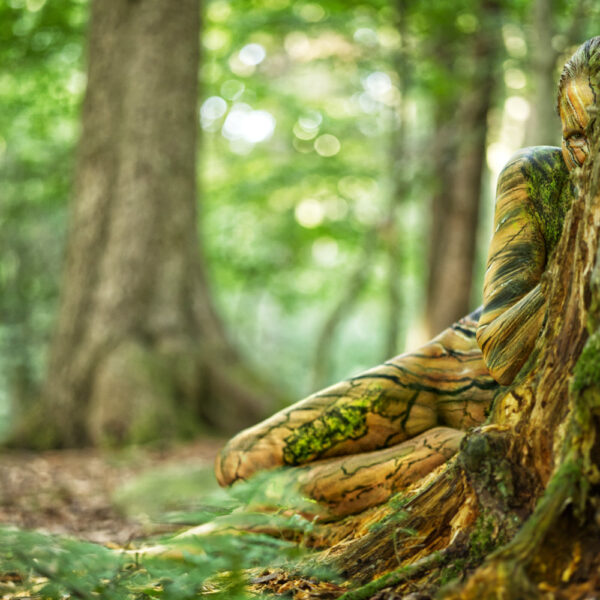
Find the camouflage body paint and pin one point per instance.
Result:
(533, 196)
(385, 422)
(576, 96)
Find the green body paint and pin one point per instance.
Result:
(337, 424)
(550, 192)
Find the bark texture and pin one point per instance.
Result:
(138, 351)
(459, 155)
(543, 125)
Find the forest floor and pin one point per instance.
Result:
(103, 497)
(118, 499)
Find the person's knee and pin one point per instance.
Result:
(245, 454)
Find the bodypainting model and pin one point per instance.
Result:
(364, 439)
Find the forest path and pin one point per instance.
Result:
(103, 496)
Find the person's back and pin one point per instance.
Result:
(532, 199)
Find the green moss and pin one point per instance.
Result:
(346, 420)
(453, 571)
(483, 457)
(587, 369)
(484, 539)
(339, 423)
(550, 192)
(475, 451)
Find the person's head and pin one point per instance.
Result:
(577, 89)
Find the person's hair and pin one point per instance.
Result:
(585, 62)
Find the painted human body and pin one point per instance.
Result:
(364, 439)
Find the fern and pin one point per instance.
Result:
(213, 559)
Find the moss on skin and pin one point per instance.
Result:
(551, 193)
(342, 422)
(587, 369)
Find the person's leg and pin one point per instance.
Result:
(444, 381)
(350, 484)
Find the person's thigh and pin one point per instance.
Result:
(444, 381)
(350, 484)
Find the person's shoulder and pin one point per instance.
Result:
(535, 161)
(537, 180)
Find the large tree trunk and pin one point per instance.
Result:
(459, 155)
(543, 126)
(515, 514)
(138, 351)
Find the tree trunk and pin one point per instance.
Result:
(459, 167)
(400, 160)
(514, 514)
(138, 351)
(543, 126)
(356, 281)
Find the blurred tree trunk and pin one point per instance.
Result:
(515, 513)
(138, 351)
(459, 159)
(400, 159)
(543, 125)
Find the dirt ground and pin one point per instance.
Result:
(71, 492)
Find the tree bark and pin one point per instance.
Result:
(543, 125)
(138, 351)
(459, 156)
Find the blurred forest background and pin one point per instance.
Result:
(346, 166)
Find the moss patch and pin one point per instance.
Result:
(341, 422)
(550, 191)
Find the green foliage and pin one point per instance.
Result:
(168, 491)
(51, 567)
(69, 566)
(215, 560)
(285, 218)
(40, 95)
(587, 369)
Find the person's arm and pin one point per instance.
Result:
(513, 307)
